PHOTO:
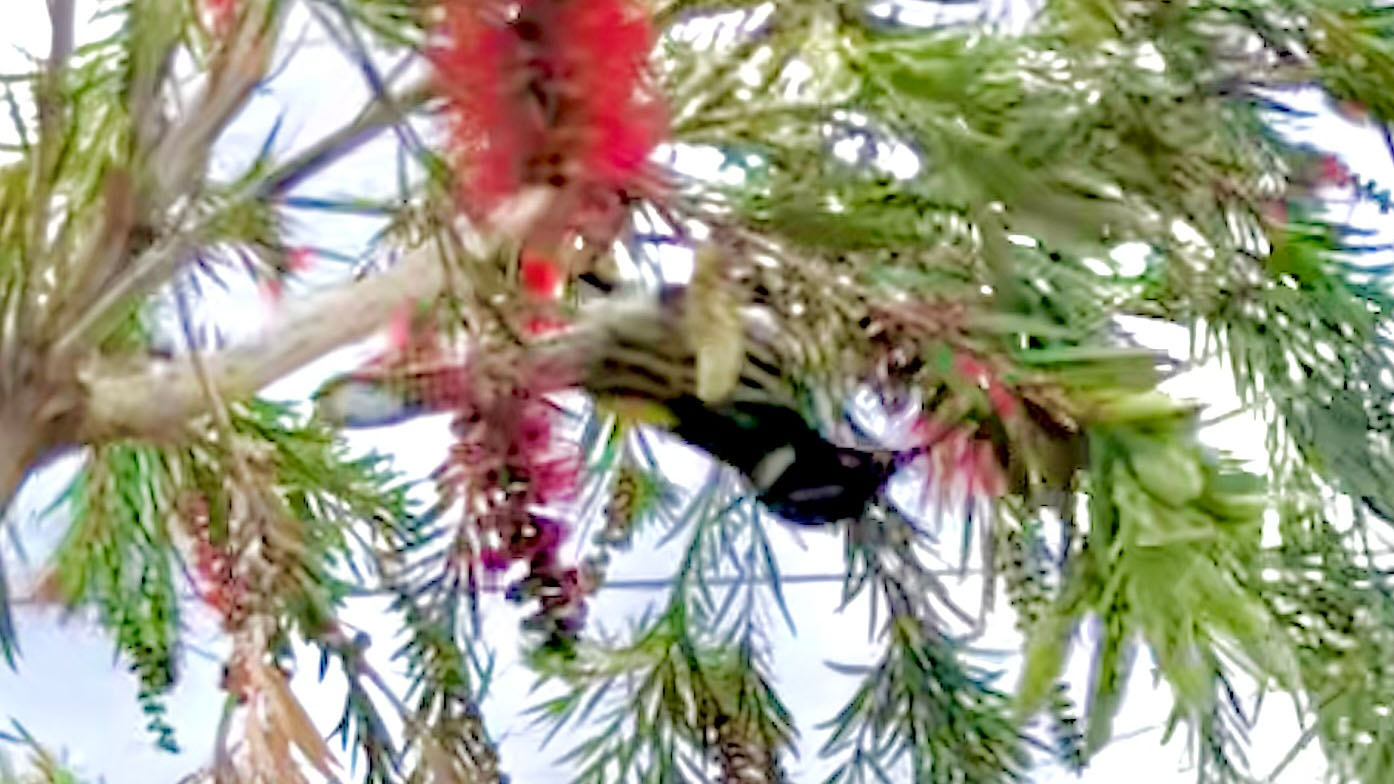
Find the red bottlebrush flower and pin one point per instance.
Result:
(534, 433)
(929, 430)
(540, 276)
(609, 46)
(960, 461)
(553, 95)
(444, 388)
(986, 478)
(972, 368)
(299, 259)
(506, 462)
(476, 62)
(215, 582)
(494, 559)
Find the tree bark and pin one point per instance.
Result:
(24, 442)
(157, 397)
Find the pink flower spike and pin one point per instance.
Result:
(971, 368)
(1334, 171)
(988, 473)
(928, 430)
(543, 326)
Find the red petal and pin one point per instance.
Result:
(300, 259)
(1334, 171)
(540, 276)
(271, 289)
(1003, 401)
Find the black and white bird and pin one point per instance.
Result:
(637, 348)
(795, 472)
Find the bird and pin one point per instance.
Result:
(636, 351)
(795, 472)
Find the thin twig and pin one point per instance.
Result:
(1302, 742)
(406, 135)
(222, 758)
(1388, 138)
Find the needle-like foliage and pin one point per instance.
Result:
(926, 241)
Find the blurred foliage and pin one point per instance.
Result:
(934, 212)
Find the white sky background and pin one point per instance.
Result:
(71, 695)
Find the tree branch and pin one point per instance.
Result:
(376, 117)
(177, 166)
(159, 262)
(156, 399)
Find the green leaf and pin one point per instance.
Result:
(9, 646)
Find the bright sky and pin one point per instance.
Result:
(69, 693)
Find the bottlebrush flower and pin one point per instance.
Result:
(506, 463)
(964, 462)
(554, 480)
(215, 580)
(507, 456)
(957, 459)
(552, 95)
(542, 326)
(487, 132)
(1003, 401)
(609, 45)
